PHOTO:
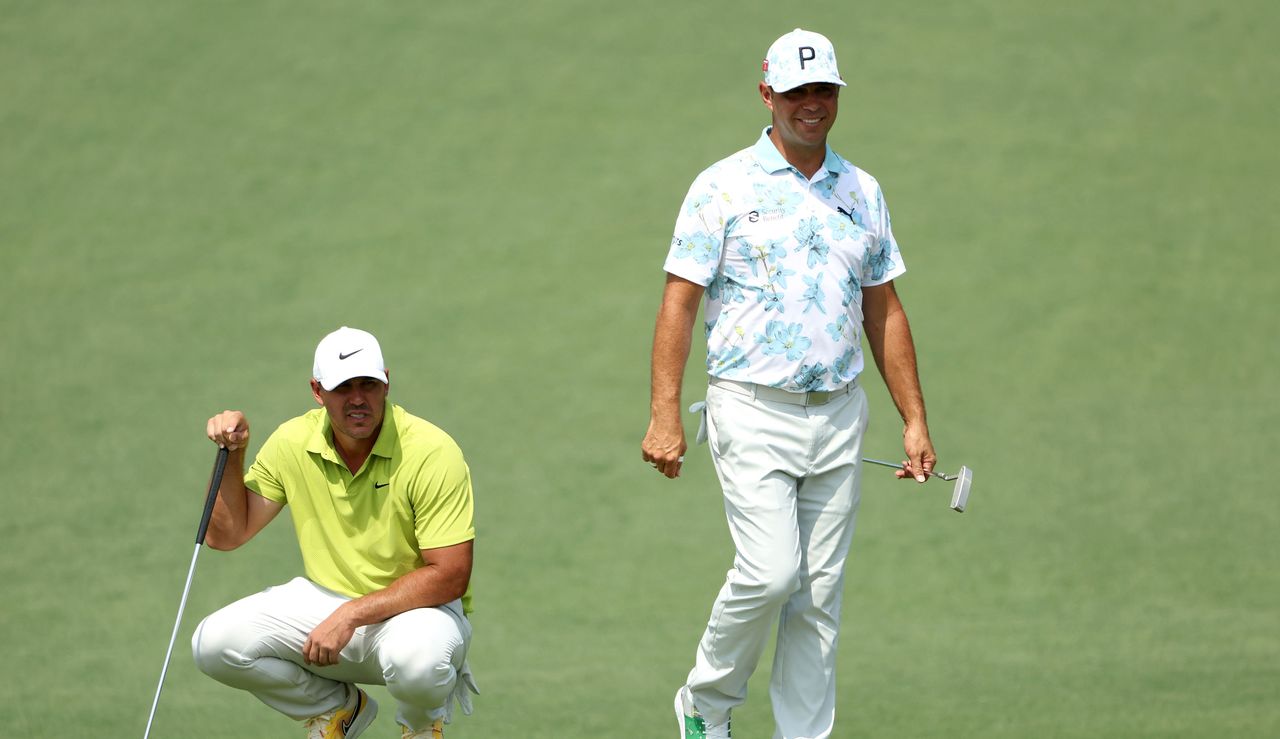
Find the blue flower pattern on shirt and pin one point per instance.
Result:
(809, 239)
(844, 364)
(784, 261)
(763, 254)
(840, 227)
(836, 328)
(778, 196)
(851, 286)
(693, 205)
(727, 286)
(780, 338)
(697, 246)
(772, 301)
(780, 276)
(730, 361)
(809, 377)
(878, 259)
(813, 296)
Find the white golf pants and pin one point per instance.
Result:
(255, 644)
(790, 477)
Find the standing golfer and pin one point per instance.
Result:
(792, 246)
(381, 504)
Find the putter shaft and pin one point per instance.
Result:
(891, 465)
(168, 654)
(215, 481)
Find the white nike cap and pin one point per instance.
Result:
(347, 353)
(798, 58)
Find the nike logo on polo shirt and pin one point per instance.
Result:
(377, 485)
(344, 356)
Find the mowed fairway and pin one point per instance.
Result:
(192, 194)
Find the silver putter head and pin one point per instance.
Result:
(960, 495)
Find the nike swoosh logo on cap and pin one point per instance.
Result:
(344, 356)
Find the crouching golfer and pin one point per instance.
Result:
(382, 507)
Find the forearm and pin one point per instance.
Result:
(229, 523)
(896, 359)
(664, 444)
(672, 337)
(888, 335)
(443, 578)
(425, 587)
(671, 341)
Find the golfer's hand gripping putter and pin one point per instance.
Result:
(959, 494)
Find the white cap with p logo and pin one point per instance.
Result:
(798, 58)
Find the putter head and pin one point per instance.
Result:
(960, 494)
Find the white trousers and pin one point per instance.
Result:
(790, 476)
(255, 644)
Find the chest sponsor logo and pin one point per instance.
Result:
(380, 485)
(756, 216)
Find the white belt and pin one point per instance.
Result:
(778, 395)
(764, 392)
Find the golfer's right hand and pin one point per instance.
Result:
(664, 447)
(229, 430)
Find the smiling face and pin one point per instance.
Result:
(355, 409)
(802, 116)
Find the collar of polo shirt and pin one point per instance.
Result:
(322, 441)
(772, 161)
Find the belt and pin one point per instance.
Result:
(778, 395)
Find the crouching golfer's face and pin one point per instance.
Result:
(355, 407)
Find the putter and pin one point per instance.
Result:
(215, 482)
(959, 494)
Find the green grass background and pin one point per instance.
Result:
(194, 193)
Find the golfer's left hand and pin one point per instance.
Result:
(920, 455)
(325, 643)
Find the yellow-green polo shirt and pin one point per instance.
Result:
(359, 533)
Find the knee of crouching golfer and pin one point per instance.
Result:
(214, 648)
(425, 678)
